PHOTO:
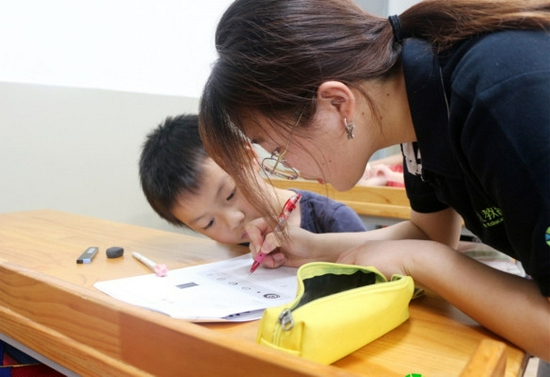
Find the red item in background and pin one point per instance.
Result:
(13, 368)
(398, 168)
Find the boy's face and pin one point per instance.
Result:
(218, 211)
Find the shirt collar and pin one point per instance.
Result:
(429, 107)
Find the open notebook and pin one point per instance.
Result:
(214, 292)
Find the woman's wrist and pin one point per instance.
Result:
(330, 246)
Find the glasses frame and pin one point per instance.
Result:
(292, 173)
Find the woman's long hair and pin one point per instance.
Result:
(274, 54)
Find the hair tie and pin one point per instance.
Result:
(398, 33)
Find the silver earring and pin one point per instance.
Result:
(349, 128)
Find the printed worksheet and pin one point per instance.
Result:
(214, 292)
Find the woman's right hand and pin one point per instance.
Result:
(295, 250)
(302, 246)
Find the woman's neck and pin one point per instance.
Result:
(393, 112)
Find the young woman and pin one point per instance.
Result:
(462, 85)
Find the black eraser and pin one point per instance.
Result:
(115, 252)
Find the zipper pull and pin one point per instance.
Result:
(286, 320)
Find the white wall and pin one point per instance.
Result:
(77, 150)
(147, 46)
(81, 84)
(398, 6)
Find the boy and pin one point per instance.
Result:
(187, 188)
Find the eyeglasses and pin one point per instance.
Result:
(276, 164)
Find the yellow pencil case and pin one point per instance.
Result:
(338, 309)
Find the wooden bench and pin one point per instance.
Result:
(371, 201)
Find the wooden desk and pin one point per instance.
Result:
(48, 303)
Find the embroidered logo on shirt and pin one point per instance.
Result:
(490, 216)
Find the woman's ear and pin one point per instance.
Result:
(335, 95)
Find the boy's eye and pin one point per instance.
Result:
(232, 194)
(209, 225)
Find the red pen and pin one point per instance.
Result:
(289, 206)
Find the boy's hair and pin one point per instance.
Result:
(171, 164)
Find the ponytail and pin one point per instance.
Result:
(445, 22)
